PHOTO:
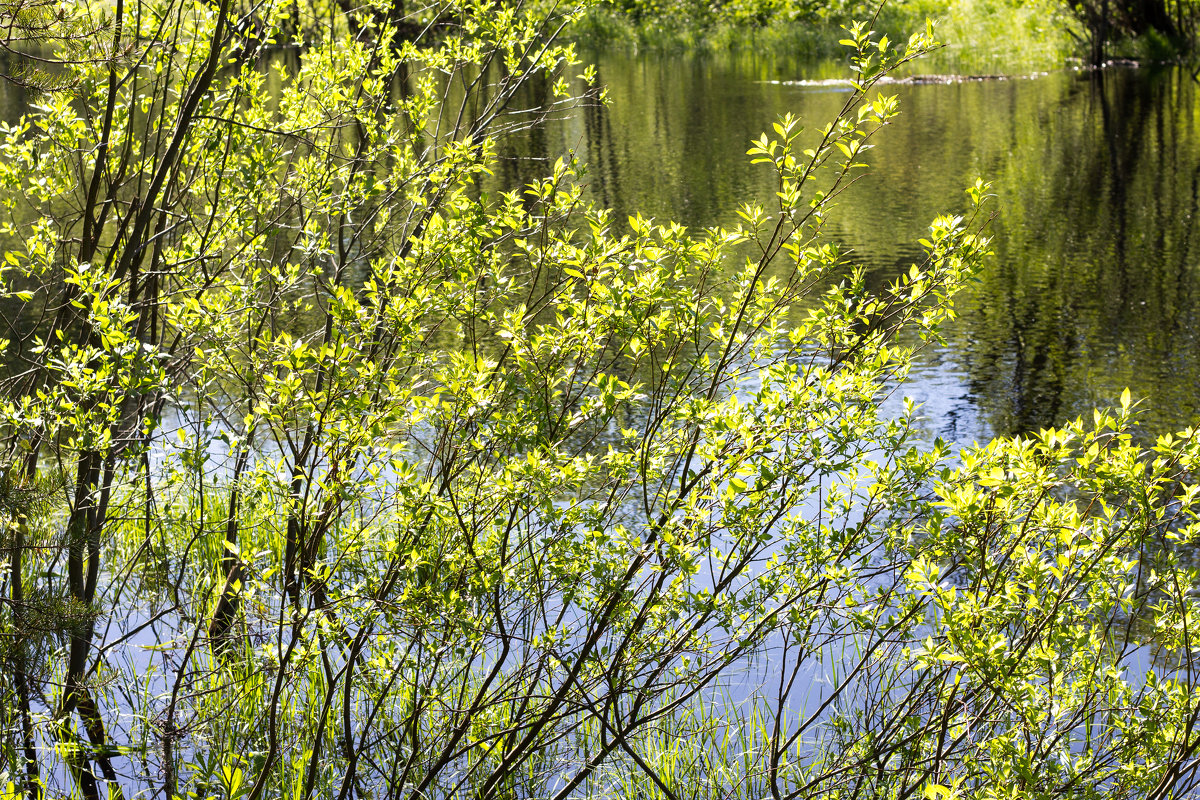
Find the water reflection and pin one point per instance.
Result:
(1093, 286)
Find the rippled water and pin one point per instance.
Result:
(1094, 284)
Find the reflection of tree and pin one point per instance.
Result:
(604, 165)
(1084, 296)
(525, 156)
(14, 96)
(1107, 20)
(670, 143)
(1093, 286)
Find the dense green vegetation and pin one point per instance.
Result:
(327, 474)
(985, 35)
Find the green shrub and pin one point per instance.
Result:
(368, 483)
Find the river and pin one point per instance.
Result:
(1094, 282)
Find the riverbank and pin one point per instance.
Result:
(980, 36)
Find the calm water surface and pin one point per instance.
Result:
(1095, 281)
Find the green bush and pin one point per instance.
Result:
(367, 483)
(987, 36)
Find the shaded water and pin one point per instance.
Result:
(1095, 279)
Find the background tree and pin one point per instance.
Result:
(1105, 21)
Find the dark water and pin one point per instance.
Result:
(1095, 281)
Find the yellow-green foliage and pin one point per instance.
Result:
(992, 35)
(368, 483)
(983, 35)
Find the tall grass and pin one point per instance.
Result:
(991, 35)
